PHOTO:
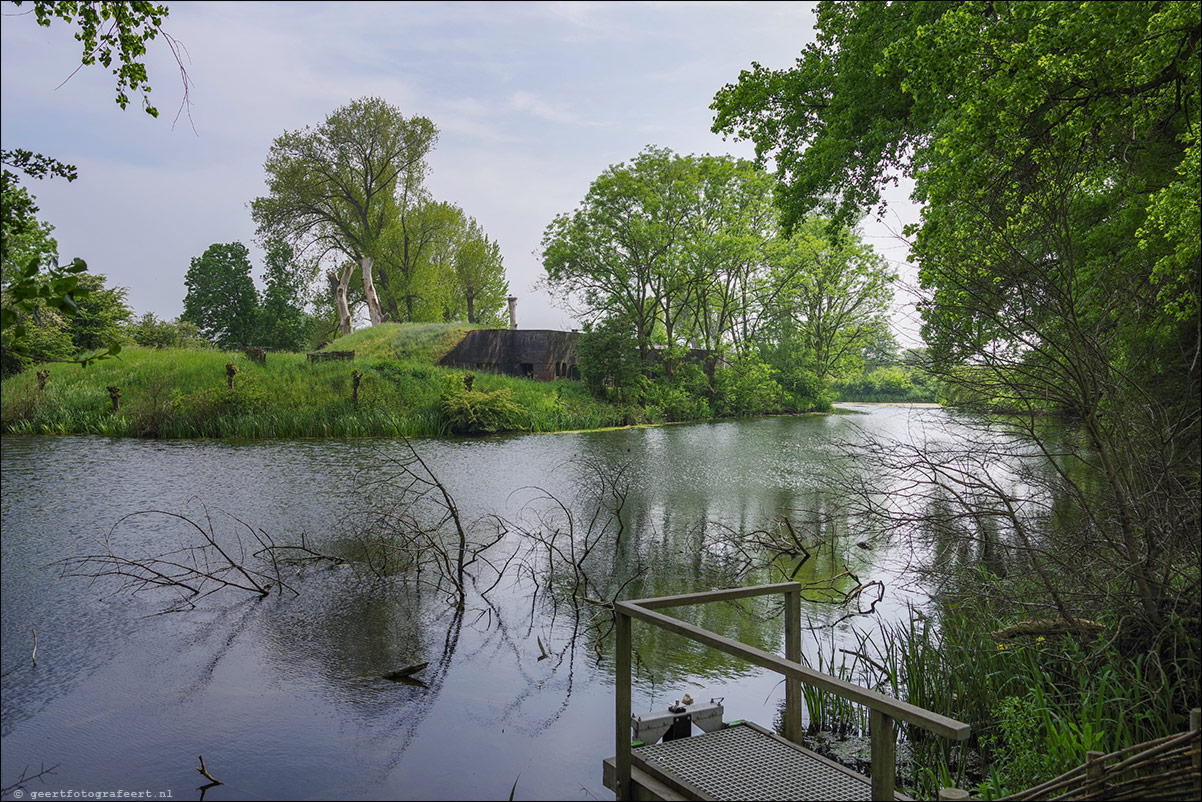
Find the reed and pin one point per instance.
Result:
(1037, 705)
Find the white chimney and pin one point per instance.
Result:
(513, 311)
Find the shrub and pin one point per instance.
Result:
(746, 387)
(473, 411)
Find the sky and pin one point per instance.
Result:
(532, 102)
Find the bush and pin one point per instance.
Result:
(151, 332)
(609, 362)
(475, 411)
(747, 386)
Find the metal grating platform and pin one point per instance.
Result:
(746, 762)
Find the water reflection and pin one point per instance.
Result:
(284, 696)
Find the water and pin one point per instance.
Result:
(283, 697)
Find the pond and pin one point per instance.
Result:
(283, 696)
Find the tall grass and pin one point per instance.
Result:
(1036, 705)
(184, 394)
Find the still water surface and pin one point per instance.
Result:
(282, 696)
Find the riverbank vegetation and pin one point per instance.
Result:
(1055, 148)
(677, 265)
(190, 393)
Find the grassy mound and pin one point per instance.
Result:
(185, 393)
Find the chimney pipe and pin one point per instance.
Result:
(513, 311)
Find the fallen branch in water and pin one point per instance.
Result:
(1047, 627)
(404, 673)
(196, 568)
(204, 772)
(8, 789)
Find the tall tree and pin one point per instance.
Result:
(829, 298)
(612, 255)
(415, 257)
(222, 300)
(282, 322)
(480, 276)
(102, 315)
(1054, 146)
(334, 188)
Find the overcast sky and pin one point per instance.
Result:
(532, 101)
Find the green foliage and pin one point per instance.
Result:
(222, 301)
(282, 322)
(478, 411)
(1026, 752)
(437, 264)
(831, 297)
(747, 386)
(480, 279)
(101, 315)
(609, 361)
(48, 341)
(111, 31)
(895, 383)
(151, 332)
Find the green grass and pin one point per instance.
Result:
(183, 393)
(1036, 704)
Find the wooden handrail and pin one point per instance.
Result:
(882, 709)
(895, 708)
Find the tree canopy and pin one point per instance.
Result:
(334, 188)
(678, 251)
(222, 300)
(1054, 148)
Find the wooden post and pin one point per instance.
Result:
(622, 621)
(1095, 778)
(884, 762)
(1195, 724)
(356, 377)
(793, 728)
(115, 396)
(42, 376)
(230, 373)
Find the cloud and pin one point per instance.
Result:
(532, 104)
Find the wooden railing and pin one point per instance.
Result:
(883, 710)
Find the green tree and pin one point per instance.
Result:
(416, 258)
(222, 301)
(480, 277)
(1054, 147)
(283, 324)
(102, 314)
(830, 299)
(333, 189)
(614, 255)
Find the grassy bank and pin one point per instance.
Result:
(1038, 696)
(184, 393)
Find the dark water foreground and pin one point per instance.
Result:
(283, 696)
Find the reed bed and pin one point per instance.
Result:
(1036, 705)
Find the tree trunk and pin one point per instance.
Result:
(369, 292)
(344, 312)
(471, 308)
